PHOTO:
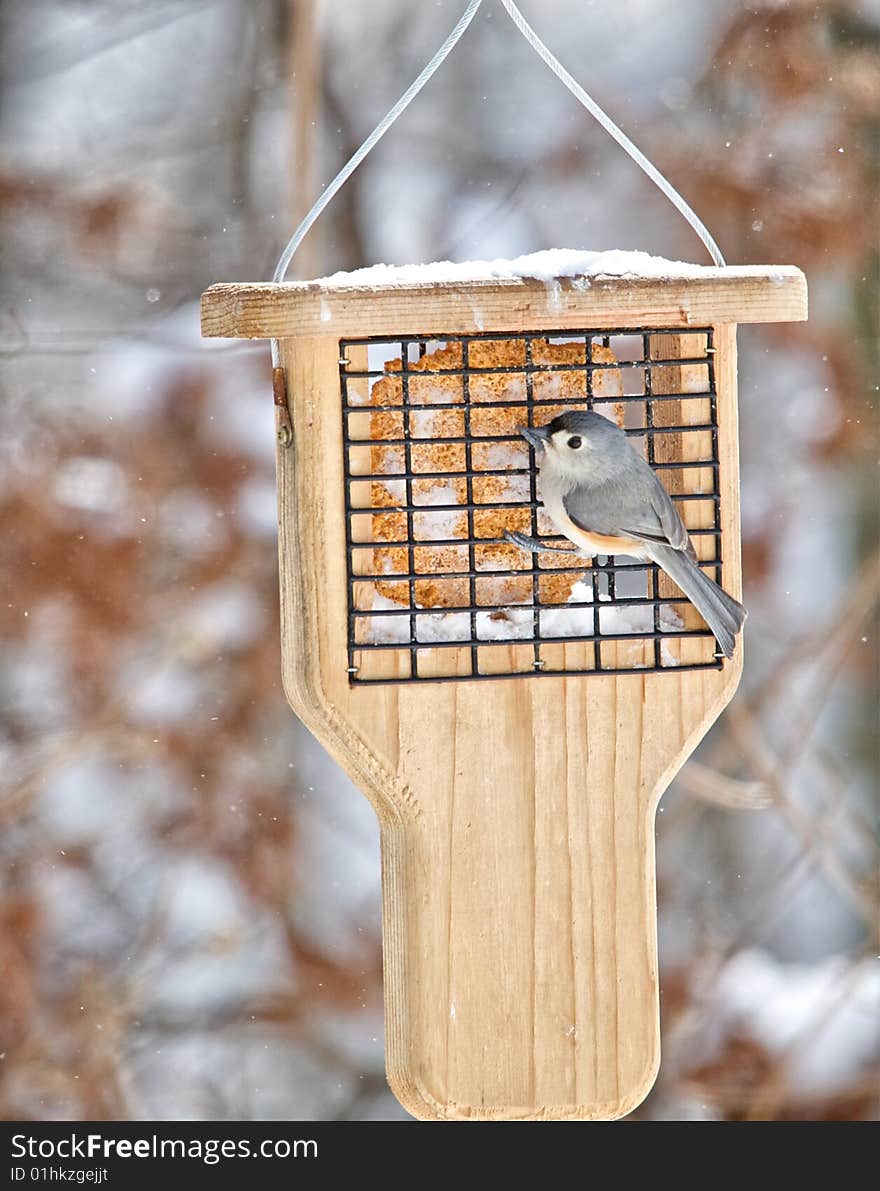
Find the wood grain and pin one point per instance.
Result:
(753, 294)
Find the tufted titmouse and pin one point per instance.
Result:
(607, 500)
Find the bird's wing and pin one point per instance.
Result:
(632, 507)
(673, 527)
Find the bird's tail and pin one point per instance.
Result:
(721, 612)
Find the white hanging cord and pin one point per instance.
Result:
(409, 95)
(611, 128)
(375, 136)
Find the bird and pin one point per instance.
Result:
(606, 499)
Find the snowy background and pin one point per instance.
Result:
(189, 909)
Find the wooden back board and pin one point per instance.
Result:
(517, 810)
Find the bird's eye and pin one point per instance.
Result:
(575, 441)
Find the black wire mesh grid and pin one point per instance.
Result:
(435, 471)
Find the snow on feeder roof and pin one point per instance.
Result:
(552, 264)
(631, 287)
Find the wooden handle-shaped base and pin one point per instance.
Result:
(517, 815)
(520, 925)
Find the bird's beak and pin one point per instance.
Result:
(535, 436)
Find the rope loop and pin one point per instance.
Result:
(413, 90)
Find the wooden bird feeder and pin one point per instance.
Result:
(514, 719)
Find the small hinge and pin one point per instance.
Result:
(279, 394)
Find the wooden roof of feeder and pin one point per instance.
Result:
(631, 289)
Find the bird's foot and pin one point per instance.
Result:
(534, 546)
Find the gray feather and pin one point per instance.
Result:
(673, 526)
(612, 490)
(629, 503)
(721, 612)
